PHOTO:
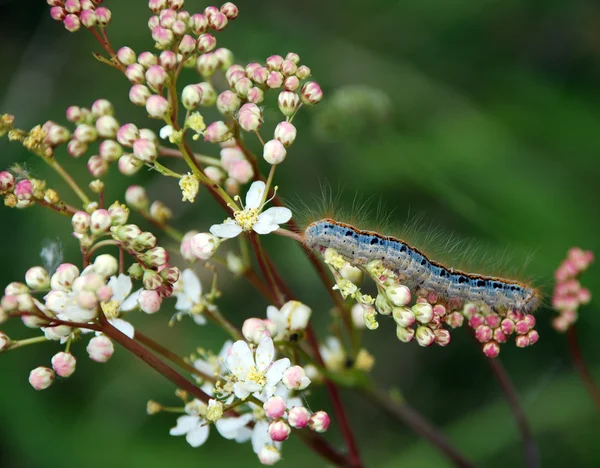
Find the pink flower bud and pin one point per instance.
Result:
(127, 134)
(129, 164)
(126, 56)
(24, 189)
(228, 102)
(147, 59)
(41, 378)
(455, 319)
(210, 10)
(110, 150)
(156, 257)
(303, 72)
(274, 407)
(291, 83)
(145, 150)
(206, 43)
(157, 106)
(483, 333)
(491, 349)
(107, 126)
(521, 327)
(288, 68)
(80, 222)
(100, 221)
(288, 103)
(403, 316)
(217, 21)
(135, 73)
(242, 86)
(250, 117)
(405, 335)
(85, 133)
(15, 288)
(58, 13)
(163, 37)
(198, 23)
(185, 249)
(298, 417)
(204, 245)
(88, 18)
(442, 337)
(319, 421)
(259, 75)
(229, 10)
(294, 378)
(153, 22)
(279, 431)
(100, 348)
(97, 166)
(425, 336)
(217, 132)
(152, 280)
(150, 301)
(274, 152)
(423, 312)
(269, 455)
(156, 76)
(72, 23)
(191, 96)
(293, 57)
(7, 181)
(9, 303)
(274, 80)
(168, 60)
(533, 337)
(522, 341)
(64, 364)
(255, 95)
(254, 329)
(311, 93)
(37, 278)
(157, 5)
(234, 73)
(104, 16)
(179, 28)
(274, 62)
(136, 197)
(500, 336)
(5, 342)
(170, 275)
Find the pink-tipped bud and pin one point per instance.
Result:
(303, 72)
(88, 18)
(64, 364)
(274, 62)
(152, 280)
(129, 165)
(97, 166)
(100, 348)
(500, 336)
(100, 221)
(319, 421)
(228, 102)
(127, 134)
(85, 133)
(298, 417)
(37, 278)
(163, 36)
(491, 349)
(399, 295)
(102, 107)
(156, 257)
(58, 13)
(191, 96)
(7, 181)
(210, 10)
(185, 248)
(217, 132)
(104, 16)
(242, 86)
(80, 222)
(110, 150)
(279, 431)
(217, 21)
(403, 316)
(150, 301)
(157, 106)
(269, 455)
(291, 83)
(274, 152)
(135, 73)
(250, 117)
(209, 95)
(533, 337)
(274, 407)
(294, 378)
(204, 245)
(72, 6)
(176, 4)
(311, 93)
(24, 190)
(126, 56)
(521, 327)
(259, 75)
(483, 333)
(156, 76)
(72, 23)
(136, 197)
(206, 43)
(442, 337)
(285, 132)
(455, 319)
(157, 5)
(293, 57)
(198, 23)
(274, 80)
(187, 45)
(147, 59)
(405, 335)
(288, 103)
(254, 329)
(425, 336)
(145, 150)
(233, 74)
(179, 28)
(168, 60)
(229, 10)
(107, 126)
(167, 18)
(288, 68)
(522, 341)
(41, 378)
(255, 95)
(507, 326)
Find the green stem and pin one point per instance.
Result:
(26, 342)
(101, 244)
(53, 163)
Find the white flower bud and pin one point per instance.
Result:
(41, 378)
(285, 132)
(274, 152)
(191, 96)
(106, 265)
(64, 364)
(63, 278)
(37, 278)
(294, 378)
(254, 329)
(100, 348)
(399, 295)
(297, 315)
(100, 221)
(204, 245)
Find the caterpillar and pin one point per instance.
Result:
(419, 273)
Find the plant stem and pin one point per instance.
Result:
(581, 366)
(28, 341)
(54, 164)
(529, 446)
(410, 417)
(101, 244)
(265, 268)
(170, 152)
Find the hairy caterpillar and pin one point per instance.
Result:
(419, 273)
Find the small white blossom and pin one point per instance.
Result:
(292, 317)
(250, 218)
(121, 301)
(188, 291)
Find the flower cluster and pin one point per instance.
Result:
(423, 321)
(569, 294)
(77, 13)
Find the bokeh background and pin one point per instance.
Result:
(483, 117)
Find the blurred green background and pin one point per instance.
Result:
(484, 117)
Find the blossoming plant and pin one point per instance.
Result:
(256, 388)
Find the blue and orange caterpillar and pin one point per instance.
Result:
(419, 273)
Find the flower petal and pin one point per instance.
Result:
(263, 228)
(184, 425)
(255, 194)
(123, 326)
(275, 215)
(275, 372)
(191, 285)
(225, 230)
(229, 427)
(204, 366)
(265, 352)
(121, 287)
(240, 390)
(131, 302)
(199, 319)
(240, 359)
(260, 436)
(165, 132)
(197, 436)
(184, 303)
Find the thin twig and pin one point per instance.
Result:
(581, 366)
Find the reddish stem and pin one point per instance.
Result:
(581, 366)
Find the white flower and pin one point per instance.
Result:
(256, 373)
(188, 292)
(121, 301)
(333, 353)
(166, 132)
(292, 317)
(251, 218)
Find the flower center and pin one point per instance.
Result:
(256, 376)
(246, 218)
(111, 309)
